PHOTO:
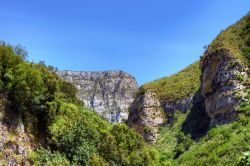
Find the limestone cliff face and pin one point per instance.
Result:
(109, 93)
(221, 83)
(146, 115)
(221, 90)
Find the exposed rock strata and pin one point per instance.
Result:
(146, 115)
(221, 82)
(220, 92)
(109, 93)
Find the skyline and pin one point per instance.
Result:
(146, 39)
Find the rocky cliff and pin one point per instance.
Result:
(158, 101)
(221, 90)
(109, 93)
(146, 115)
(222, 85)
(216, 88)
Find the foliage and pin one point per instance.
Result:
(123, 146)
(76, 132)
(244, 160)
(167, 144)
(76, 136)
(221, 145)
(236, 38)
(177, 86)
(86, 139)
(47, 158)
(73, 134)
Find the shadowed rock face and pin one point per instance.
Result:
(146, 115)
(221, 81)
(109, 93)
(222, 77)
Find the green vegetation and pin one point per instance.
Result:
(188, 141)
(222, 145)
(236, 39)
(72, 134)
(177, 86)
(244, 159)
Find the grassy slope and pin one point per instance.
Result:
(222, 145)
(176, 86)
(235, 38)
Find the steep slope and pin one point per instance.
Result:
(157, 101)
(214, 127)
(224, 72)
(109, 93)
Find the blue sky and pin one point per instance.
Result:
(146, 38)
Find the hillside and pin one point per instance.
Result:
(177, 86)
(200, 116)
(43, 122)
(157, 101)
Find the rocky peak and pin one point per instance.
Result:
(109, 93)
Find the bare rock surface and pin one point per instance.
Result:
(109, 93)
(146, 115)
(221, 82)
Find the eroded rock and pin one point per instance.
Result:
(146, 116)
(109, 93)
(221, 81)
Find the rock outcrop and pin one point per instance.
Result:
(170, 107)
(221, 83)
(109, 93)
(167, 95)
(221, 90)
(146, 115)
(15, 142)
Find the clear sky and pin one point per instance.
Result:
(146, 38)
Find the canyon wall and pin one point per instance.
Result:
(109, 93)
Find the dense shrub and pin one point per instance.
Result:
(87, 139)
(73, 134)
(123, 146)
(244, 160)
(76, 133)
(47, 158)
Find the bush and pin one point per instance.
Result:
(47, 158)
(244, 160)
(123, 146)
